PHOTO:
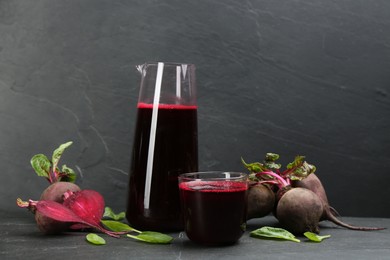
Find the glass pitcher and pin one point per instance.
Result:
(165, 145)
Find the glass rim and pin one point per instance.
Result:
(168, 63)
(212, 176)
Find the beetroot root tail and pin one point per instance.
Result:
(338, 222)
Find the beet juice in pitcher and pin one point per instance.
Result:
(165, 145)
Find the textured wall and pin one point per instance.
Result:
(292, 77)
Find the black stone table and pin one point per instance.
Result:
(20, 239)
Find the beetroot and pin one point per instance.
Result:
(54, 192)
(61, 181)
(87, 204)
(63, 205)
(80, 209)
(313, 183)
(299, 210)
(261, 201)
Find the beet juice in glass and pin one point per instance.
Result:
(165, 145)
(214, 206)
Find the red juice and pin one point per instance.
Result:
(214, 212)
(175, 152)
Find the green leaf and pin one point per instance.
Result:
(271, 157)
(117, 226)
(314, 237)
(297, 162)
(109, 213)
(58, 153)
(95, 239)
(268, 164)
(271, 232)
(41, 165)
(153, 237)
(269, 161)
(67, 174)
(253, 167)
(272, 165)
(299, 169)
(303, 171)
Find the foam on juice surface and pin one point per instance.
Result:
(213, 186)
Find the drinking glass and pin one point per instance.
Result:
(165, 145)
(214, 206)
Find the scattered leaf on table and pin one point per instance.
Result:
(95, 239)
(117, 226)
(314, 237)
(153, 237)
(272, 232)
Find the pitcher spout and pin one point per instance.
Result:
(140, 69)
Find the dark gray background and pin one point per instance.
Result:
(289, 76)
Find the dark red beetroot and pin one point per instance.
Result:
(261, 201)
(63, 205)
(61, 181)
(313, 183)
(80, 209)
(55, 192)
(299, 210)
(87, 204)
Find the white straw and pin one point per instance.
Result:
(178, 82)
(152, 138)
